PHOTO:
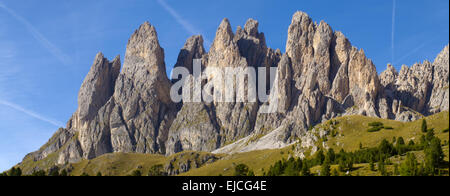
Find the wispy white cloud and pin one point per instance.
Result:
(186, 25)
(10, 73)
(31, 113)
(55, 51)
(393, 29)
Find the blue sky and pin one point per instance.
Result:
(48, 46)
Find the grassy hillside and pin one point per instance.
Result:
(352, 130)
(29, 164)
(256, 160)
(117, 164)
(122, 164)
(364, 169)
(344, 133)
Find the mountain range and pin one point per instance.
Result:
(127, 108)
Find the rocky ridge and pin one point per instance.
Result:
(321, 76)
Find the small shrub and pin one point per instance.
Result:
(376, 124)
(54, 172)
(38, 173)
(388, 128)
(243, 170)
(15, 172)
(374, 129)
(136, 173)
(156, 170)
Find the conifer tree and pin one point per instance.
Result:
(424, 126)
(305, 170)
(63, 173)
(241, 170)
(372, 165)
(325, 169)
(409, 166)
(434, 156)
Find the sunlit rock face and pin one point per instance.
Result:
(321, 76)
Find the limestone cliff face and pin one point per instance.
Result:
(138, 115)
(421, 88)
(439, 100)
(128, 111)
(96, 90)
(330, 78)
(143, 109)
(321, 76)
(98, 87)
(208, 126)
(330, 66)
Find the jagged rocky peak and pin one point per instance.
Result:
(424, 69)
(439, 100)
(364, 83)
(413, 85)
(144, 65)
(219, 122)
(324, 60)
(96, 90)
(409, 77)
(301, 17)
(143, 109)
(252, 44)
(98, 86)
(251, 27)
(443, 58)
(144, 52)
(388, 76)
(139, 114)
(423, 87)
(224, 34)
(224, 51)
(299, 43)
(322, 38)
(192, 49)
